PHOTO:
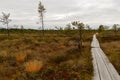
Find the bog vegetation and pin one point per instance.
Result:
(26, 55)
(54, 57)
(62, 54)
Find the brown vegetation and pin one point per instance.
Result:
(19, 57)
(33, 66)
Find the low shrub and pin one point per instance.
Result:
(58, 59)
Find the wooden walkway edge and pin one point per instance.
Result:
(103, 69)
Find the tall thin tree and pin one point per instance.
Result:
(41, 11)
(5, 20)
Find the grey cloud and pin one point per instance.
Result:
(61, 12)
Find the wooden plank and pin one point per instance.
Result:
(114, 74)
(103, 69)
(96, 70)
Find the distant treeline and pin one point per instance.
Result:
(3, 30)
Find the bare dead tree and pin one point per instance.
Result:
(41, 11)
(5, 20)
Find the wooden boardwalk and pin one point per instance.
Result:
(103, 69)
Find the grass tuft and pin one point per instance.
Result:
(33, 66)
(21, 57)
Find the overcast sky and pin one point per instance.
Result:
(61, 12)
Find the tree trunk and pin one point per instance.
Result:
(80, 42)
(42, 23)
(8, 32)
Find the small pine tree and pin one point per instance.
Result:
(80, 27)
(115, 27)
(101, 28)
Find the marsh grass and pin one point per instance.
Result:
(33, 66)
(20, 57)
(59, 61)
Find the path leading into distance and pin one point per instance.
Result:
(103, 69)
